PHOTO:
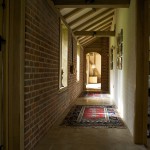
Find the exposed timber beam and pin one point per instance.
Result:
(83, 16)
(98, 22)
(95, 33)
(92, 3)
(90, 41)
(51, 4)
(104, 28)
(87, 38)
(92, 19)
(106, 23)
(72, 13)
(84, 38)
(60, 9)
(101, 28)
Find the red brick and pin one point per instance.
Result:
(43, 101)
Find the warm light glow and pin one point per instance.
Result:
(63, 72)
(93, 86)
(120, 96)
(93, 66)
(78, 62)
(78, 68)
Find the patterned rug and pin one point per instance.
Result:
(90, 95)
(93, 116)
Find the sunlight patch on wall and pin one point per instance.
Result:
(120, 94)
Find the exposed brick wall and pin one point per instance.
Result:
(43, 101)
(101, 46)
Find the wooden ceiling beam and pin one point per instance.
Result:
(92, 3)
(60, 9)
(98, 22)
(92, 20)
(90, 40)
(87, 38)
(100, 29)
(51, 4)
(83, 16)
(83, 38)
(103, 26)
(72, 13)
(95, 33)
(106, 23)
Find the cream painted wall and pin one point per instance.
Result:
(90, 65)
(123, 82)
(98, 63)
(112, 77)
(87, 68)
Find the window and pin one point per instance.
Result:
(78, 62)
(63, 70)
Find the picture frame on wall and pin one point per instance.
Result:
(119, 50)
(118, 39)
(117, 62)
(111, 59)
(120, 63)
(111, 66)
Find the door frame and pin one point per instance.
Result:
(142, 53)
(1, 74)
(86, 51)
(14, 74)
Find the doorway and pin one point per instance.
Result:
(1, 74)
(93, 71)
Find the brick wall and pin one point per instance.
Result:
(43, 101)
(101, 46)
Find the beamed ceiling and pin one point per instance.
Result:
(90, 19)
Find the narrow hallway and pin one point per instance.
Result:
(87, 138)
(52, 51)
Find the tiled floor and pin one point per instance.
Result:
(61, 138)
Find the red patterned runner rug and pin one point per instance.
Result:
(93, 116)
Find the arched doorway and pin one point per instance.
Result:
(93, 71)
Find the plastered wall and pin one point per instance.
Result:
(123, 82)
